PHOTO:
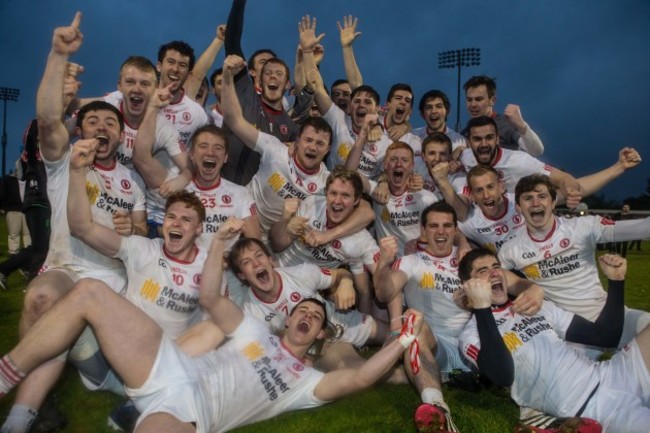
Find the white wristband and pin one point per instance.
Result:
(406, 339)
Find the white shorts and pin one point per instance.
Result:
(448, 355)
(115, 279)
(350, 326)
(172, 387)
(620, 403)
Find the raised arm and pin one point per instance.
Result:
(568, 185)
(440, 175)
(529, 297)
(80, 219)
(339, 383)
(204, 63)
(289, 228)
(53, 136)
(232, 113)
(388, 282)
(223, 312)
(528, 141)
(628, 158)
(348, 32)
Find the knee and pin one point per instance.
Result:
(88, 290)
(39, 298)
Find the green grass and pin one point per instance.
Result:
(385, 408)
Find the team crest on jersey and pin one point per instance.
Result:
(454, 262)
(311, 187)
(295, 296)
(298, 366)
(372, 147)
(325, 271)
(607, 222)
(501, 175)
(197, 279)
(336, 244)
(284, 129)
(125, 184)
(517, 219)
(226, 199)
(565, 243)
(187, 116)
(409, 197)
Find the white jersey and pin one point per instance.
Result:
(511, 165)
(432, 282)
(281, 177)
(185, 116)
(217, 117)
(372, 156)
(563, 263)
(458, 180)
(492, 233)
(414, 143)
(167, 140)
(400, 217)
(221, 201)
(166, 289)
(305, 281)
(457, 140)
(356, 250)
(109, 190)
(252, 377)
(550, 375)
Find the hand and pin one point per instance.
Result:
(233, 64)
(297, 226)
(375, 132)
(513, 114)
(221, 32)
(230, 229)
(315, 81)
(122, 223)
(572, 197)
(614, 267)
(439, 172)
(411, 246)
(478, 292)
(83, 153)
(381, 193)
(628, 158)
(290, 207)
(316, 238)
(348, 30)
(396, 132)
(388, 249)
(73, 69)
(172, 185)
(67, 40)
(161, 97)
(307, 32)
(319, 53)
(529, 302)
(415, 182)
(461, 300)
(345, 297)
(455, 166)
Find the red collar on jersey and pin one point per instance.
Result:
(548, 235)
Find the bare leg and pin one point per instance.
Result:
(128, 337)
(164, 423)
(429, 374)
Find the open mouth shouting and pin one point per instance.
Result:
(263, 277)
(484, 154)
(399, 176)
(175, 236)
(102, 138)
(136, 102)
(209, 165)
(537, 215)
(400, 115)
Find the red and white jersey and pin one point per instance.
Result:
(511, 165)
(550, 375)
(457, 139)
(166, 289)
(280, 177)
(217, 117)
(432, 282)
(109, 190)
(185, 116)
(564, 262)
(414, 142)
(304, 281)
(252, 377)
(221, 201)
(400, 217)
(492, 233)
(371, 163)
(167, 138)
(458, 180)
(356, 250)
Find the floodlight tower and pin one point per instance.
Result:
(457, 59)
(6, 94)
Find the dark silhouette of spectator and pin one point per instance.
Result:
(36, 208)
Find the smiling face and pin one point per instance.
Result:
(341, 201)
(400, 106)
(258, 63)
(478, 102)
(208, 154)
(488, 268)
(435, 114)
(138, 87)
(181, 226)
(487, 193)
(274, 82)
(104, 126)
(439, 232)
(305, 324)
(174, 69)
(435, 153)
(537, 208)
(398, 166)
(311, 148)
(341, 96)
(256, 268)
(360, 105)
(483, 141)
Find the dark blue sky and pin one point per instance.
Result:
(579, 69)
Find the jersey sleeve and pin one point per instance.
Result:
(367, 254)
(139, 198)
(268, 145)
(167, 139)
(341, 140)
(135, 251)
(560, 319)
(114, 98)
(469, 342)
